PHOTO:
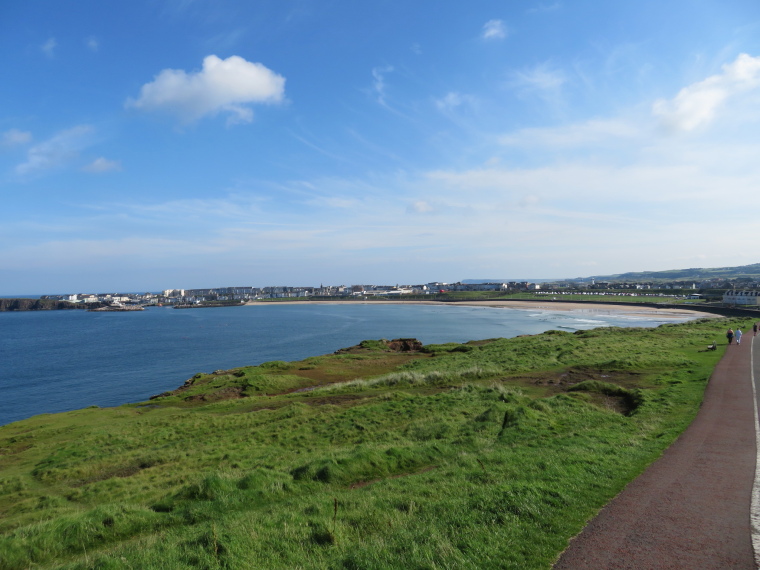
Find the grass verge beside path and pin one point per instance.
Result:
(489, 454)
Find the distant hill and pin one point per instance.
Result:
(695, 273)
(476, 281)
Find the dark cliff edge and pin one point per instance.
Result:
(42, 305)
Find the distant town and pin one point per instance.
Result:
(744, 291)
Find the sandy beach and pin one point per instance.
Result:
(589, 308)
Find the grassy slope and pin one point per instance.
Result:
(485, 455)
(751, 271)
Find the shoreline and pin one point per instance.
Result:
(597, 308)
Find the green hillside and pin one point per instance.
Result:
(693, 274)
(490, 454)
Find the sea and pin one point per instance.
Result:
(56, 361)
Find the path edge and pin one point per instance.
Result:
(754, 511)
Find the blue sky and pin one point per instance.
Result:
(190, 143)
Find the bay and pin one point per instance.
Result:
(55, 361)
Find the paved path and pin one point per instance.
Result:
(691, 508)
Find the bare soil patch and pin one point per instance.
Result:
(228, 393)
(560, 382)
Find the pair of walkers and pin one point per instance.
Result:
(730, 335)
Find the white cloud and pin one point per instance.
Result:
(378, 85)
(420, 207)
(223, 85)
(542, 77)
(102, 165)
(452, 100)
(592, 132)
(494, 30)
(56, 151)
(333, 202)
(528, 201)
(652, 175)
(92, 43)
(48, 48)
(192, 210)
(51, 254)
(695, 106)
(15, 137)
(545, 8)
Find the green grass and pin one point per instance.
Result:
(490, 454)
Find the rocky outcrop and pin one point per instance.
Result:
(404, 345)
(395, 345)
(42, 305)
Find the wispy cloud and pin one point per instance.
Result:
(696, 106)
(318, 148)
(57, 150)
(540, 78)
(378, 84)
(15, 137)
(334, 202)
(593, 132)
(100, 165)
(545, 8)
(51, 253)
(48, 48)
(421, 207)
(453, 100)
(227, 41)
(92, 43)
(223, 86)
(494, 30)
(227, 210)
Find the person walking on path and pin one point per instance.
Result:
(738, 336)
(754, 329)
(730, 335)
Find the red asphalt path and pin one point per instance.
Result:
(690, 509)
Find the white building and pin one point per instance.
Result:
(734, 297)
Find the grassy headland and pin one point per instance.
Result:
(489, 454)
(41, 305)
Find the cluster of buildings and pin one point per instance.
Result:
(742, 297)
(256, 293)
(105, 298)
(738, 292)
(243, 294)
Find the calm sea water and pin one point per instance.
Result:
(54, 361)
